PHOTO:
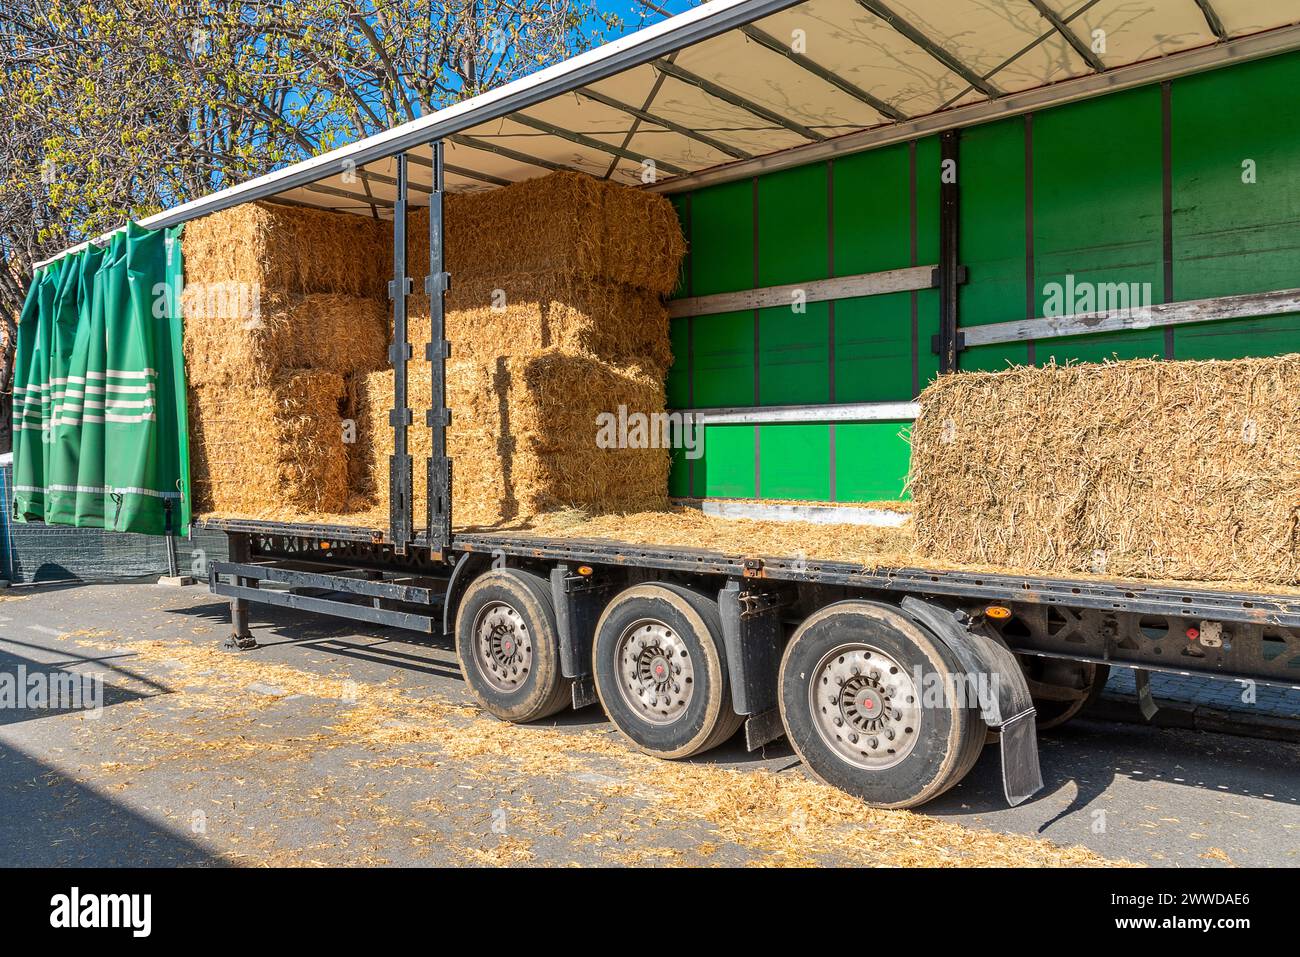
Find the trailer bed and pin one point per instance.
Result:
(1237, 604)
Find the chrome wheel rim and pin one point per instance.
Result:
(655, 671)
(865, 706)
(502, 646)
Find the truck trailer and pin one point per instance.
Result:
(913, 174)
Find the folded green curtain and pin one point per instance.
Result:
(100, 436)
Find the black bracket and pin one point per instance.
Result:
(579, 600)
(949, 251)
(752, 636)
(400, 482)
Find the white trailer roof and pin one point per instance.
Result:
(735, 87)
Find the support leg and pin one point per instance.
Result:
(241, 639)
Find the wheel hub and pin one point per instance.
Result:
(656, 674)
(865, 706)
(502, 646)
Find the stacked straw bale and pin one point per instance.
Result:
(290, 250)
(558, 225)
(555, 315)
(522, 438)
(257, 448)
(281, 310)
(1165, 470)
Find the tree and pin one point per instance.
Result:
(116, 109)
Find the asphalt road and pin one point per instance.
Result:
(332, 746)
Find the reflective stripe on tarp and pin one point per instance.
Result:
(99, 389)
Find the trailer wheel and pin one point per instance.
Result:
(1062, 690)
(660, 671)
(508, 646)
(861, 706)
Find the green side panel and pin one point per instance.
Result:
(927, 322)
(1232, 236)
(682, 205)
(872, 211)
(1098, 211)
(1238, 338)
(722, 238)
(726, 470)
(678, 382)
(871, 461)
(100, 429)
(724, 360)
(927, 252)
(794, 356)
(873, 348)
(792, 228)
(794, 461)
(992, 216)
(679, 476)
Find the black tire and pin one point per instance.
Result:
(1082, 681)
(699, 716)
(935, 743)
(517, 606)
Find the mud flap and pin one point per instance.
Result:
(1010, 711)
(1022, 778)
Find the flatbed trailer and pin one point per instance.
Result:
(886, 681)
(1017, 646)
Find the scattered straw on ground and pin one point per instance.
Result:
(789, 818)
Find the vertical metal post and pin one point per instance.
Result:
(238, 551)
(169, 533)
(399, 353)
(437, 351)
(949, 251)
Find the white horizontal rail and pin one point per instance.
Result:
(907, 279)
(1278, 303)
(772, 415)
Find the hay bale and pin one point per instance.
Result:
(561, 224)
(524, 314)
(269, 451)
(289, 249)
(523, 437)
(228, 339)
(1166, 470)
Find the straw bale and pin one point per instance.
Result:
(523, 437)
(228, 340)
(1164, 470)
(266, 451)
(523, 314)
(289, 249)
(563, 223)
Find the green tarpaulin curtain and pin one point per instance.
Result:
(100, 435)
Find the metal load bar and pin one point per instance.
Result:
(438, 351)
(334, 580)
(246, 579)
(399, 353)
